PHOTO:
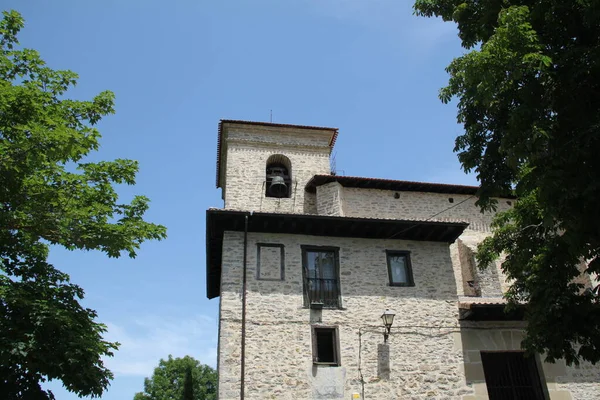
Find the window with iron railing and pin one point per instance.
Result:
(321, 276)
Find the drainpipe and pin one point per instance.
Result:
(244, 290)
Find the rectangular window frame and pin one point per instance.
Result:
(336, 251)
(409, 270)
(282, 268)
(337, 359)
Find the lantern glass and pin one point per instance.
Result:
(388, 318)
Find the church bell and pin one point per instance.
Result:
(276, 184)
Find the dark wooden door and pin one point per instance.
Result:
(511, 376)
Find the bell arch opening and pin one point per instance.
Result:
(278, 176)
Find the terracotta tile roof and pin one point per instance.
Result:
(389, 184)
(468, 301)
(474, 304)
(268, 124)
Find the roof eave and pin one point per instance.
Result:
(394, 185)
(218, 221)
(480, 311)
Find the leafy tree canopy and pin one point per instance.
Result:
(49, 196)
(188, 384)
(180, 379)
(529, 98)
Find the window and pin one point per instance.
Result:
(326, 345)
(511, 376)
(320, 270)
(399, 268)
(278, 176)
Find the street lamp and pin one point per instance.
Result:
(388, 320)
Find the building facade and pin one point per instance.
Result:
(305, 262)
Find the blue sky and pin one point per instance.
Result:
(370, 68)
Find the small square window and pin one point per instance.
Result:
(399, 268)
(326, 345)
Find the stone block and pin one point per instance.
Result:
(480, 389)
(554, 370)
(383, 361)
(474, 356)
(562, 395)
(507, 339)
(471, 340)
(457, 341)
(474, 372)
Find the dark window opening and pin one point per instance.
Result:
(325, 348)
(278, 177)
(399, 268)
(320, 270)
(511, 376)
(325, 345)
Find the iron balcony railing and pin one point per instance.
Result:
(323, 291)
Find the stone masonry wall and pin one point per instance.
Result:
(424, 361)
(374, 203)
(282, 136)
(431, 355)
(246, 150)
(559, 381)
(489, 282)
(245, 177)
(330, 200)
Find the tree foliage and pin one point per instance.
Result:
(180, 379)
(188, 385)
(529, 98)
(49, 196)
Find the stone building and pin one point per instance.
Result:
(305, 262)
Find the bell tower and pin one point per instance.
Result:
(264, 167)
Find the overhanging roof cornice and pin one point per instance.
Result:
(482, 311)
(219, 221)
(390, 184)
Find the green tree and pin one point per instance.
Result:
(188, 385)
(178, 378)
(529, 98)
(49, 196)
